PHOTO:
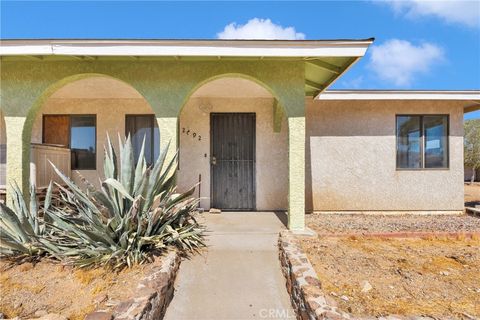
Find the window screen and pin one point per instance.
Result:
(422, 141)
(408, 142)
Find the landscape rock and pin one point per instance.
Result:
(99, 316)
(100, 298)
(52, 316)
(366, 286)
(40, 313)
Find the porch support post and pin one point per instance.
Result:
(296, 173)
(18, 162)
(168, 134)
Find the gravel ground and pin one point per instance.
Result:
(356, 223)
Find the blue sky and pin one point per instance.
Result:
(440, 39)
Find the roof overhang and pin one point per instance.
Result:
(185, 48)
(325, 60)
(471, 97)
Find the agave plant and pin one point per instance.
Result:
(136, 211)
(21, 226)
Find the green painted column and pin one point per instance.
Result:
(18, 163)
(296, 173)
(168, 134)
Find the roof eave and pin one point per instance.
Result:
(473, 95)
(199, 48)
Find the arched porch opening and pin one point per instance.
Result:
(70, 126)
(241, 114)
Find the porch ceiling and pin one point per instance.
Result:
(325, 60)
(320, 73)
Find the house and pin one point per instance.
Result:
(254, 122)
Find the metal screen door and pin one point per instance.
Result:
(232, 161)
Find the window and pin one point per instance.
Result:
(77, 132)
(141, 127)
(422, 142)
(83, 142)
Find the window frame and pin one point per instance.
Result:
(154, 119)
(70, 132)
(422, 141)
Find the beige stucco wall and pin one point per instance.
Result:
(271, 149)
(351, 158)
(110, 115)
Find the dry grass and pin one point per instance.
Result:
(49, 286)
(431, 277)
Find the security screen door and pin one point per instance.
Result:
(232, 161)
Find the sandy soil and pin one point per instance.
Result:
(49, 286)
(472, 194)
(436, 277)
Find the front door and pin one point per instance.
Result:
(233, 161)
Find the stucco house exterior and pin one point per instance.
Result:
(254, 122)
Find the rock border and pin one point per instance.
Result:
(151, 297)
(305, 289)
(303, 285)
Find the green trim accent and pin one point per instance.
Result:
(277, 117)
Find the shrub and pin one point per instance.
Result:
(136, 212)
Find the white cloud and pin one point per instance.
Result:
(259, 29)
(452, 11)
(399, 61)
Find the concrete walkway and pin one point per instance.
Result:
(238, 276)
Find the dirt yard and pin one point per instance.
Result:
(430, 276)
(51, 287)
(374, 277)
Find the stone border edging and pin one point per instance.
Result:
(151, 297)
(303, 285)
(305, 289)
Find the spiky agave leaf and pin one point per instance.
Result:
(21, 227)
(136, 210)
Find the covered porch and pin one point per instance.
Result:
(65, 97)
